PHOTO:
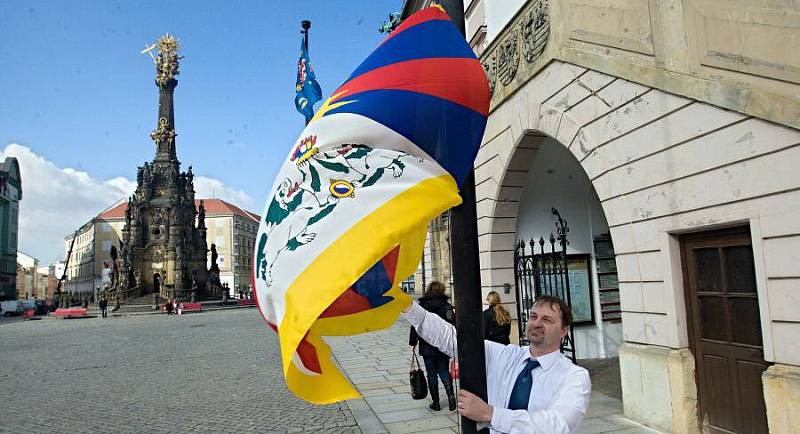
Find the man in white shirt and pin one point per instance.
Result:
(531, 389)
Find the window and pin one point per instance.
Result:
(106, 246)
(106, 227)
(219, 240)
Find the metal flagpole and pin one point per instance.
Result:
(466, 275)
(305, 24)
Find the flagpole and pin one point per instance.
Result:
(305, 24)
(466, 275)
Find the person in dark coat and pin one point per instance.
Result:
(436, 363)
(496, 320)
(103, 306)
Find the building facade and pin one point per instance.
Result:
(231, 227)
(435, 262)
(666, 134)
(233, 232)
(80, 249)
(27, 277)
(10, 195)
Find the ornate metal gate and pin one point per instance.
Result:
(543, 273)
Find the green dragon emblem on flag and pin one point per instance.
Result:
(315, 185)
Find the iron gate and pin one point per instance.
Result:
(537, 272)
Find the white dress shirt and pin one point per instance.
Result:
(560, 392)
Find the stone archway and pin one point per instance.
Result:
(157, 283)
(502, 232)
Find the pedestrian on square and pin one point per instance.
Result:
(180, 308)
(103, 307)
(169, 306)
(531, 389)
(436, 363)
(496, 320)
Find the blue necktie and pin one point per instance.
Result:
(521, 393)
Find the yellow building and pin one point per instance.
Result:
(230, 228)
(28, 280)
(233, 231)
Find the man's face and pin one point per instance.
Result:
(544, 329)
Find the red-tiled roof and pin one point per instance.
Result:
(115, 211)
(213, 207)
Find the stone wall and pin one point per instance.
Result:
(729, 53)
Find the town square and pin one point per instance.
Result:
(419, 216)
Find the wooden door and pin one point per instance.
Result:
(725, 330)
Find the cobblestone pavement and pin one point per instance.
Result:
(207, 372)
(215, 372)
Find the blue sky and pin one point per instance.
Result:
(78, 98)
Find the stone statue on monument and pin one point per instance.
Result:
(201, 215)
(214, 266)
(128, 213)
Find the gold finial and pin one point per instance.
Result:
(167, 59)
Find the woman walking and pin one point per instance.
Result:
(496, 320)
(436, 363)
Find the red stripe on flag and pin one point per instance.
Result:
(308, 356)
(429, 14)
(305, 351)
(390, 263)
(432, 76)
(348, 303)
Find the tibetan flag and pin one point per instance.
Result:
(346, 218)
(308, 91)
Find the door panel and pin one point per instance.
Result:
(741, 275)
(745, 321)
(712, 316)
(754, 413)
(725, 330)
(718, 387)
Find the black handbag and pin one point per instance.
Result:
(419, 386)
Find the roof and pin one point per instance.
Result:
(214, 207)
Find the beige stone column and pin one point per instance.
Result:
(782, 397)
(658, 387)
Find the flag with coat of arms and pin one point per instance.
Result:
(346, 218)
(307, 89)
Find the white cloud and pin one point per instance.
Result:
(56, 201)
(214, 188)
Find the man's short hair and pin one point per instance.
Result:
(553, 301)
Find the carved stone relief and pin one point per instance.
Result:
(535, 28)
(527, 37)
(508, 57)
